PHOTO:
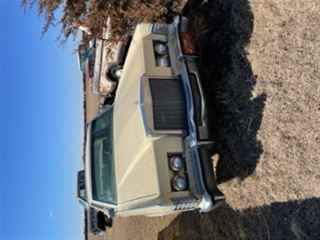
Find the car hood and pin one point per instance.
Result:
(134, 155)
(135, 167)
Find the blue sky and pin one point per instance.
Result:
(41, 129)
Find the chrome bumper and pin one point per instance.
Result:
(201, 179)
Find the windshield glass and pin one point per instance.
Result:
(102, 163)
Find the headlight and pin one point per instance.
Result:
(159, 28)
(160, 48)
(118, 73)
(176, 163)
(161, 54)
(162, 61)
(179, 183)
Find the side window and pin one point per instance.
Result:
(103, 122)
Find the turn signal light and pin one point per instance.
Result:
(188, 46)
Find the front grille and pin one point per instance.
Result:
(169, 106)
(184, 203)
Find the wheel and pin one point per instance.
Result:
(114, 72)
(100, 221)
(108, 221)
(103, 221)
(102, 226)
(108, 101)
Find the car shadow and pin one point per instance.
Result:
(278, 221)
(222, 29)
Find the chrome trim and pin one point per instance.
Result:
(196, 181)
(181, 62)
(145, 100)
(193, 70)
(87, 163)
(184, 203)
(206, 204)
(102, 205)
(179, 65)
(142, 106)
(159, 28)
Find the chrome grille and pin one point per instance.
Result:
(169, 107)
(184, 203)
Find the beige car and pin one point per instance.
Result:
(109, 60)
(147, 153)
(102, 83)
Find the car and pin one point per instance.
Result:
(109, 59)
(147, 153)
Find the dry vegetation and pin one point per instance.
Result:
(93, 14)
(260, 62)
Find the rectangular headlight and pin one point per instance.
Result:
(159, 28)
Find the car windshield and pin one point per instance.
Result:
(102, 162)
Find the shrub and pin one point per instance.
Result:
(93, 14)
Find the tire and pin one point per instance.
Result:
(108, 101)
(102, 226)
(101, 221)
(108, 221)
(111, 72)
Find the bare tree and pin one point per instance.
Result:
(91, 15)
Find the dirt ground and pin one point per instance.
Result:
(260, 63)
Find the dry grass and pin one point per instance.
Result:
(260, 62)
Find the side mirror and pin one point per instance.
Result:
(109, 212)
(83, 203)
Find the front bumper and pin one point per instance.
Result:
(199, 164)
